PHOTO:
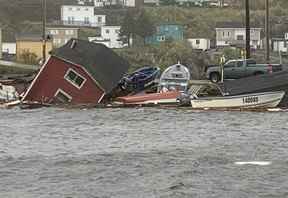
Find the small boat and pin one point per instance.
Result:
(164, 98)
(173, 82)
(140, 79)
(245, 101)
(209, 95)
(175, 77)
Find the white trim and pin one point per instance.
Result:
(64, 93)
(101, 97)
(73, 83)
(35, 79)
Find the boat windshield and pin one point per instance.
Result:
(205, 91)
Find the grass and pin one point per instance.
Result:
(14, 70)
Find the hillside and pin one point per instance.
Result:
(198, 21)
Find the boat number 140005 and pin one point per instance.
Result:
(252, 99)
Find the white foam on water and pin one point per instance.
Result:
(258, 163)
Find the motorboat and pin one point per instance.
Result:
(210, 96)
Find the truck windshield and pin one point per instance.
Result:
(240, 64)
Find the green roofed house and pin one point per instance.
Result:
(166, 32)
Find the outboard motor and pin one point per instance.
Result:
(184, 99)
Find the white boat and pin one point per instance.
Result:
(202, 95)
(174, 78)
(255, 100)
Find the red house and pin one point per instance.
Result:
(79, 72)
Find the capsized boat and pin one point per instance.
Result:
(140, 79)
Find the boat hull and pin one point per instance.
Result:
(153, 98)
(257, 100)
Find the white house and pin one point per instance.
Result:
(129, 3)
(280, 44)
(109, 37)
(9, 48)
(81, 15)
(232, 33)
(0, 43)
(152, 2)
(199, 43)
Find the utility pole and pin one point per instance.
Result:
(267, 31)
(44, 31)
(247, 29)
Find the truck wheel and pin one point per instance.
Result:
(258, 73)
(214, 77)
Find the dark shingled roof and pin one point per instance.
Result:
(103, 64)
(234, 25)
(262, 83)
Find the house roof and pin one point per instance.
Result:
(28, 37)
(103, 64)
(234, 25)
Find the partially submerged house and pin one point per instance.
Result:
(80, 72)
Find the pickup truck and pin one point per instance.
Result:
(234, 69)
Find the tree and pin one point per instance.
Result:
(136, 23)
(144, 26)
(128, 27)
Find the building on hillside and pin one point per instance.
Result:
(81, 16)
(200, 43)
(166, 32)
(280, 43)
(80, 72)
(0, 43)
(32, 44)
(109, 37)
(234, 34)
(119, 3)
(9, 48)
(60, 35)
(152, 2)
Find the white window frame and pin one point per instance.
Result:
(64, 93)
(161, 38)
(73, 83)
(69, 32)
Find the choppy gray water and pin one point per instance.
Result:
(142, 153)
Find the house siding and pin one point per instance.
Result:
(81, 16)
(51, 78)
(166, 32)
(33, 47)
(61, 36)
(228, 36)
